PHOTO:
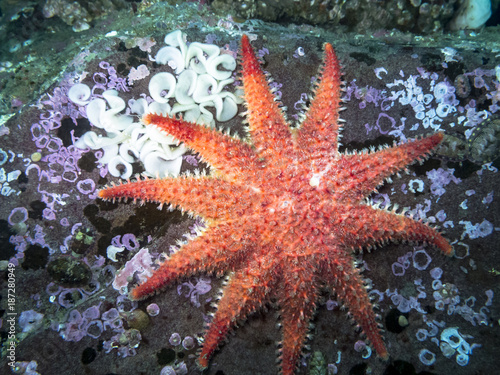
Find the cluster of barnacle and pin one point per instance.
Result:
(444, 294)
(450, 342)
(119, 327)
(462, 86)
(484, 141)
(480, 144)
(416, 15)
(80, 14)
(174, 357)
(481, 147)
(313, 12)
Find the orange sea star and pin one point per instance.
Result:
(284, 212)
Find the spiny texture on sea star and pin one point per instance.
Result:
(284, 211)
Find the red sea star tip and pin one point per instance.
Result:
(284, 212)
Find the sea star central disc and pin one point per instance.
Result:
(284, 211)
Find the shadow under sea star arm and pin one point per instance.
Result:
(205, 253)
(247, 290)
(366, 171)
(270, 133)
(319, 132)
(344, 278)
(205, 196)
(368, 226)
(231, 156)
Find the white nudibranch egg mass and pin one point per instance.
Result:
(194, 86)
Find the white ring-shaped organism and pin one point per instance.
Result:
(452, 337)
(439, 305)
(163, 139)
(162, 87)
(218, 103)
(434, 329)
(94, 110)
(134, 127)
(177, 39)
(437, 284)
(421, 334)
(138, 137)
(124, 172)
(367, 352)
(94, 141)
(159, 108)
(156, 164)
(440, 90)
(139, 106)
(94, 333)
(129, 152)
(116, 104)
(446, 349)
(171, 56)
(79, 94)
(378, 71)
(206, 87)
(420, 115)
(462, 359)
(18, 215)
(437, 296)
(191, 111)
(115, 123)
(171, 152)
(228, 111)
(148, 147)
(223, 83)
(186, 84)
(206, 117)
(419, 265)
(203, 52)
(427, 98)
(443, 109)
(436, 273)
(226, 61)
(427, 357)
(465, 253)
(3, 157)
(111, 252)
(419, 183)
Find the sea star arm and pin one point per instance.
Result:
(298, 295)
(319, 132)
(203, 253)
(270, 133)
(367, 226)
(343, 277)
(365, 172)
(207, 196)
(247, 290)
(229, 156)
